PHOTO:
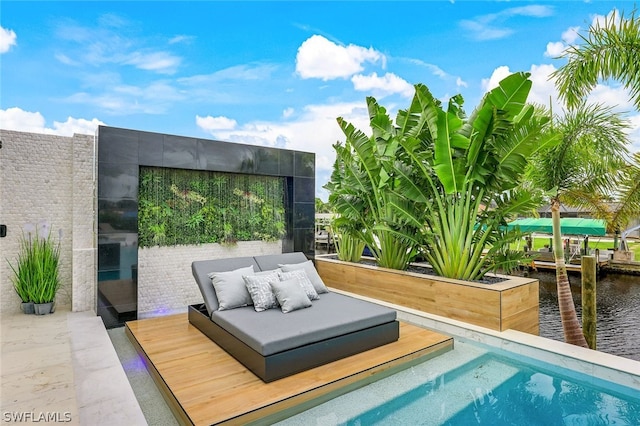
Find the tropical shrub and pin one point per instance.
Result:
(440, 183)
(195, 207)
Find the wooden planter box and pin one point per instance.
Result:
(511, 304)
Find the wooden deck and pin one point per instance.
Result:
(204, 385)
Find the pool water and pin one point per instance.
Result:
(495, 391)
(476, 385)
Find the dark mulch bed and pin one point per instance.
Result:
(487, 279)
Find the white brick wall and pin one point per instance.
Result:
(165, 282)
(46, 177)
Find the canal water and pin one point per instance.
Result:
(618, 308)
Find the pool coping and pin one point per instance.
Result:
(595, 364)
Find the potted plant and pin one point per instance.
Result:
(35, 275)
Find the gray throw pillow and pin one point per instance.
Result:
(231, 290)
(311, 273)
(290, 295)
(304, 281)
(260, 290)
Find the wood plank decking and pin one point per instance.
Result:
(204, 385)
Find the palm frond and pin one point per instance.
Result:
(608, 51)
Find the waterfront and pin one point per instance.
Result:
(618, 300)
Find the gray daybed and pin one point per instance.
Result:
(273, 344)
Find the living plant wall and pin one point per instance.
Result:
(194, 207)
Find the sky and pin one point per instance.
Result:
(275, 73)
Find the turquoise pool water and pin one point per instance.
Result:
(473, 385)
(497, 391)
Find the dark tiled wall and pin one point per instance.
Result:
(121, 152)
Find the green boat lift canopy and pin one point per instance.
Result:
(568, 225)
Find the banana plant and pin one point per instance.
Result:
(441, 183)
(363, 189)
(468, 175)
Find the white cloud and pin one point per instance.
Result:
(483, 31)
(492, 26)
(106, 43)
(497, 75)
(601, 20)
(246, 72)
(160, 62)
(24, 121)
(181, 39)
(382, 86)
(438, 72)
(321, 58)
(33, 122)
(121, 99)
(76, 125)
(288, 112)
(634, 132)
(66, 60)
(555, 49)
(542, 91)
(7, 39)
(211, 124)
(616, 96)
(570, 35)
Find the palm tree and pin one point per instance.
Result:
(610, 51)
(584, 163)
(619, 208)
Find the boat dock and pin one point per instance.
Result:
(573, 267)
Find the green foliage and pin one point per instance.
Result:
(588, 167)
(196, 207)
(362, 190)
(35, 274)
(438, 182)
(348, 246)
(322, 207)
(610, 50)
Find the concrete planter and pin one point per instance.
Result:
(511, 304)
(27, 307)
(43, 308)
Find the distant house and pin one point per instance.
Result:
(565, 211)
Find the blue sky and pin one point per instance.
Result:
(272, 73)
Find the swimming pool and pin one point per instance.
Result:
(475, 384)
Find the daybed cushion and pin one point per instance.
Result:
(332, 315)
(271, 261)
(202, 268)
(290, 294)
(308, 267)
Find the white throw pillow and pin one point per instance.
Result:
(230, 288)
(311, 273)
